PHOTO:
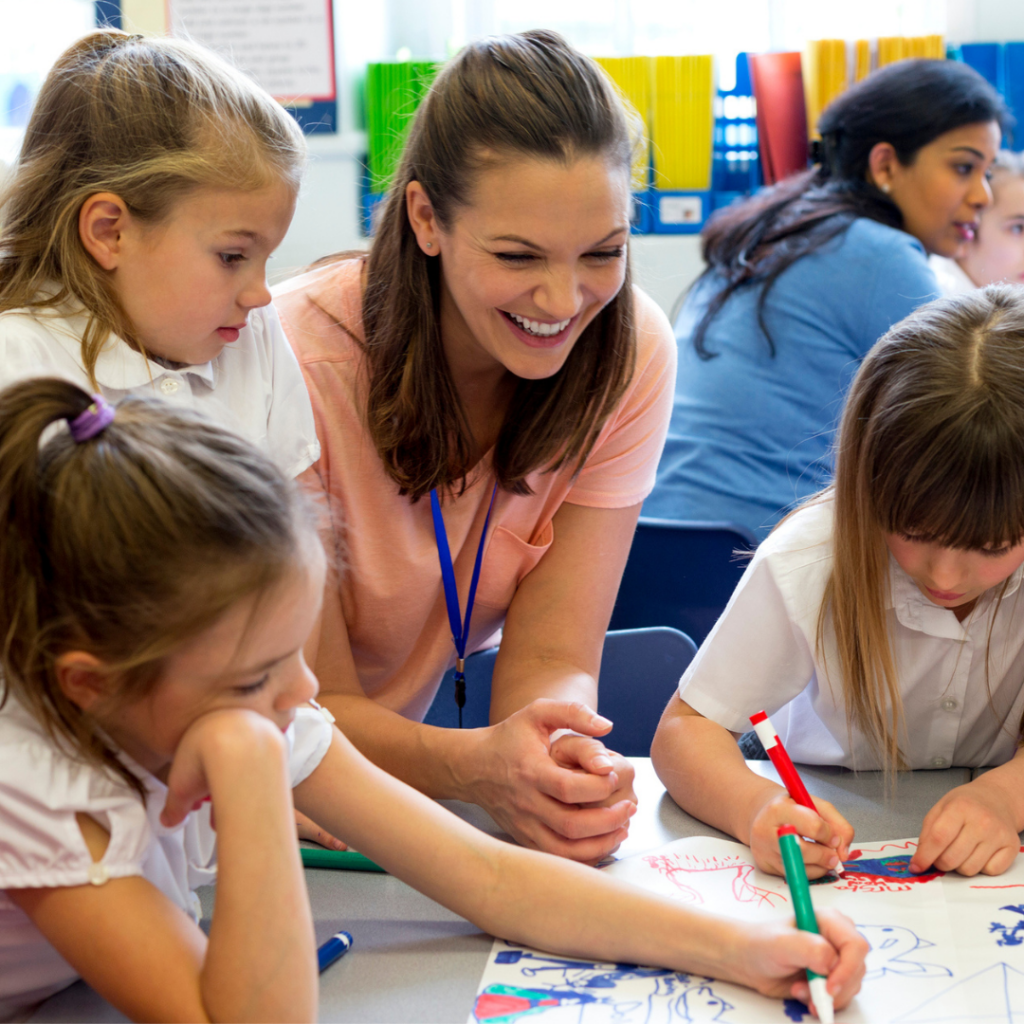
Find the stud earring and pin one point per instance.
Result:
(430, 245)
(885, 188)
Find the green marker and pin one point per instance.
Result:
(343, 860)
(796, 879)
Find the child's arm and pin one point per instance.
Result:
(704, 771)
(974, 828)
(144, 954)
(540, 900)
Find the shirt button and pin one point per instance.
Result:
(169, 386)
(939, 762)
(949, 704)
(98, 873)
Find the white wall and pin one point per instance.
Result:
(984, 21)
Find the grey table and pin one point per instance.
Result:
(413, 960)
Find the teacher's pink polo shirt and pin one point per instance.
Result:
(391, 592)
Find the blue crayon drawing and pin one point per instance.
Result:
(504, 1004)
(995, 994)
(795, 1010)
(1009, 935)
(891, 949)
(598, 992)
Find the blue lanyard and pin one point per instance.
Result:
(460, 630)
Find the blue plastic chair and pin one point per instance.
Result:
(680, 574)
(640, 669)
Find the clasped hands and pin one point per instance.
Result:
(572, 797)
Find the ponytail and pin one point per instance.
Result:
(102, 540)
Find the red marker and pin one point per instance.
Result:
(783, 765)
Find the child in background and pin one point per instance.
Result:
(132, 695)
(996, 253)
(153, 184)
(881, 624)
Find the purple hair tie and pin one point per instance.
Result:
(93, 421)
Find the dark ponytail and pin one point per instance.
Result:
(907, 104)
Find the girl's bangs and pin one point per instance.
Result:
(959, 488)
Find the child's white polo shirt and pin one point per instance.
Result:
(962, 695)
(43, 787)
(253, 387)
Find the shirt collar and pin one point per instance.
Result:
(119, 367)
(915, 611)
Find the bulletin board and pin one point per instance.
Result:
(286, 45)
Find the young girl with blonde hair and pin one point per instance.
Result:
(995, 253)
(153, 183)
(881, 625)
(131, 695)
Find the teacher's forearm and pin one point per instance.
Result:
(518, 684)
(435, 761)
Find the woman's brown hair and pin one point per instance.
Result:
(126, 545)
(931, 446)
(150, 120)
(528, 95)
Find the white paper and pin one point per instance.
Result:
(943, 948)
(285, 45)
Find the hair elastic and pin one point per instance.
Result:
(93, 421)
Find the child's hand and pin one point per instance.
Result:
(971, 830)
(830, 832)
(229, 735)
(776, 957)
(308, 829)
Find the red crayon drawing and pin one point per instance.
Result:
(677, 868)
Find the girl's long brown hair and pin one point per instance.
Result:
(150, 120)
(931, 445)
(126, 545)
(522, 95)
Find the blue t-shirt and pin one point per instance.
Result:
(751, 433)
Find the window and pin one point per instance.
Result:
(33, 34)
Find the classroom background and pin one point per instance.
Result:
(354, 127)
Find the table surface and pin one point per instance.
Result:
(413, 960)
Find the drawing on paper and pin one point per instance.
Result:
(503, 1004)
(1011, 934)
(889, 872)
(737, 873)
(795, 1010)
(937, 946)
(597, 991)
(994, 994)
(891, 953)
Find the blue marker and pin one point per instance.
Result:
(333, 949)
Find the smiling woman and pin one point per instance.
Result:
(492, 354)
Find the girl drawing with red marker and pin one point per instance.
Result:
(881, 624)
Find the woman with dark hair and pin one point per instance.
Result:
(804, 277)
(487, 381)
